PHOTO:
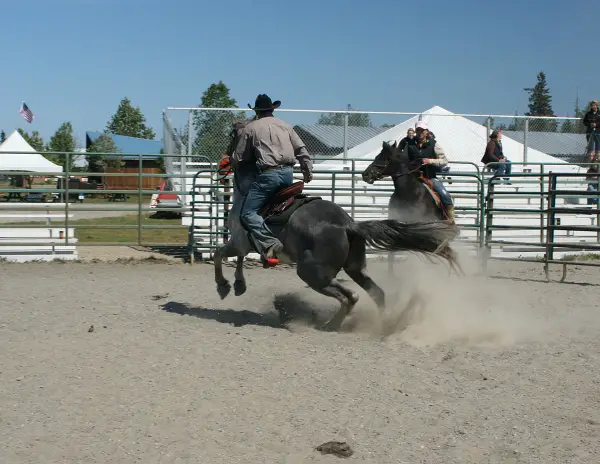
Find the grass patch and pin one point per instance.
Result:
(177, 236)
(582, 257)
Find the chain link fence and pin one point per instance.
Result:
(201, 135)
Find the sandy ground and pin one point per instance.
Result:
(499, 369)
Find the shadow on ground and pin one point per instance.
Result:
(287, 308)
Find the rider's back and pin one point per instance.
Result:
(275, 143)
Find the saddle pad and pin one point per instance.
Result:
(436, 198)
(279, 219)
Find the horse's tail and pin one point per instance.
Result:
(430, 238)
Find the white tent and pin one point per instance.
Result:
(12, 160)
(461, 138)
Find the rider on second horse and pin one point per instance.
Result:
(430, 156)
(274, 146)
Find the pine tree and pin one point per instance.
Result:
(540, 104)
(62, 141)
(129, 121)
(2, 136)
(578, 127)
(567, 127)
(517, 125)
(36, 141)
(103, 144)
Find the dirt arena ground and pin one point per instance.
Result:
(497, 369)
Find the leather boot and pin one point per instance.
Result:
(270, 258)
(450, 214)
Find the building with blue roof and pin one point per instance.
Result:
(132, 148)
(129, 145)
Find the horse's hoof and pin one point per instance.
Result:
(223, 289)
(239, 286)
(331, 326)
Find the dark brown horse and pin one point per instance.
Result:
(411, 200)
(322, 239)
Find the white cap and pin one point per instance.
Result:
(422, 125)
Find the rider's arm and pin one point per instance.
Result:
(300, 152)
(586, 119)
(440, 159)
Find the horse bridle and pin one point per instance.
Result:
(411, 171)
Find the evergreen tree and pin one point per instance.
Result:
(36, 141)
(213, 127)
(129, 121)
(518, 124)
(567, 127)
(62, 141)
(337, 119)
(2, 136)
(578, 127)
(540, 104)
(103, 144)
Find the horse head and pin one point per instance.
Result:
(390, 161)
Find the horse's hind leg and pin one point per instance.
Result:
(239, 286)
(321, 278)
(223, 285)
(355, 267)
(345, 296)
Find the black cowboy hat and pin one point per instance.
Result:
(263, 103)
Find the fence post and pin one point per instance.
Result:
(526, 130)
(481, 210)
(353, 185)
(597, 210)
(140, 180)
(489, 222)
(67, 169)
(550, 220)
(184, 159)
(346, 137)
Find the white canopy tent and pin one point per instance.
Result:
(12, 160)
(461, 138)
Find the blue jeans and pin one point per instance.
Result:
(445, 197)
(593, 139)
(502, 169)
(266, 184)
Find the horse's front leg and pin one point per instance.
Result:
(239, 286)
(223, 285)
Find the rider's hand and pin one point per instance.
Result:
(425, 160)
(307, 177)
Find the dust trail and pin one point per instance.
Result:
(427, 307)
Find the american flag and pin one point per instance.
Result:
(26, 113)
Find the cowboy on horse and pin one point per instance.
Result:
(429, 157)
(273, 146)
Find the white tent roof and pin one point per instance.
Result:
(461, 138)
(11, 160)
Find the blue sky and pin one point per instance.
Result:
(73, 60)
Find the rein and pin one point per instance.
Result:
(412, 171)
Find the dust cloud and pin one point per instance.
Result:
(426, 306)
